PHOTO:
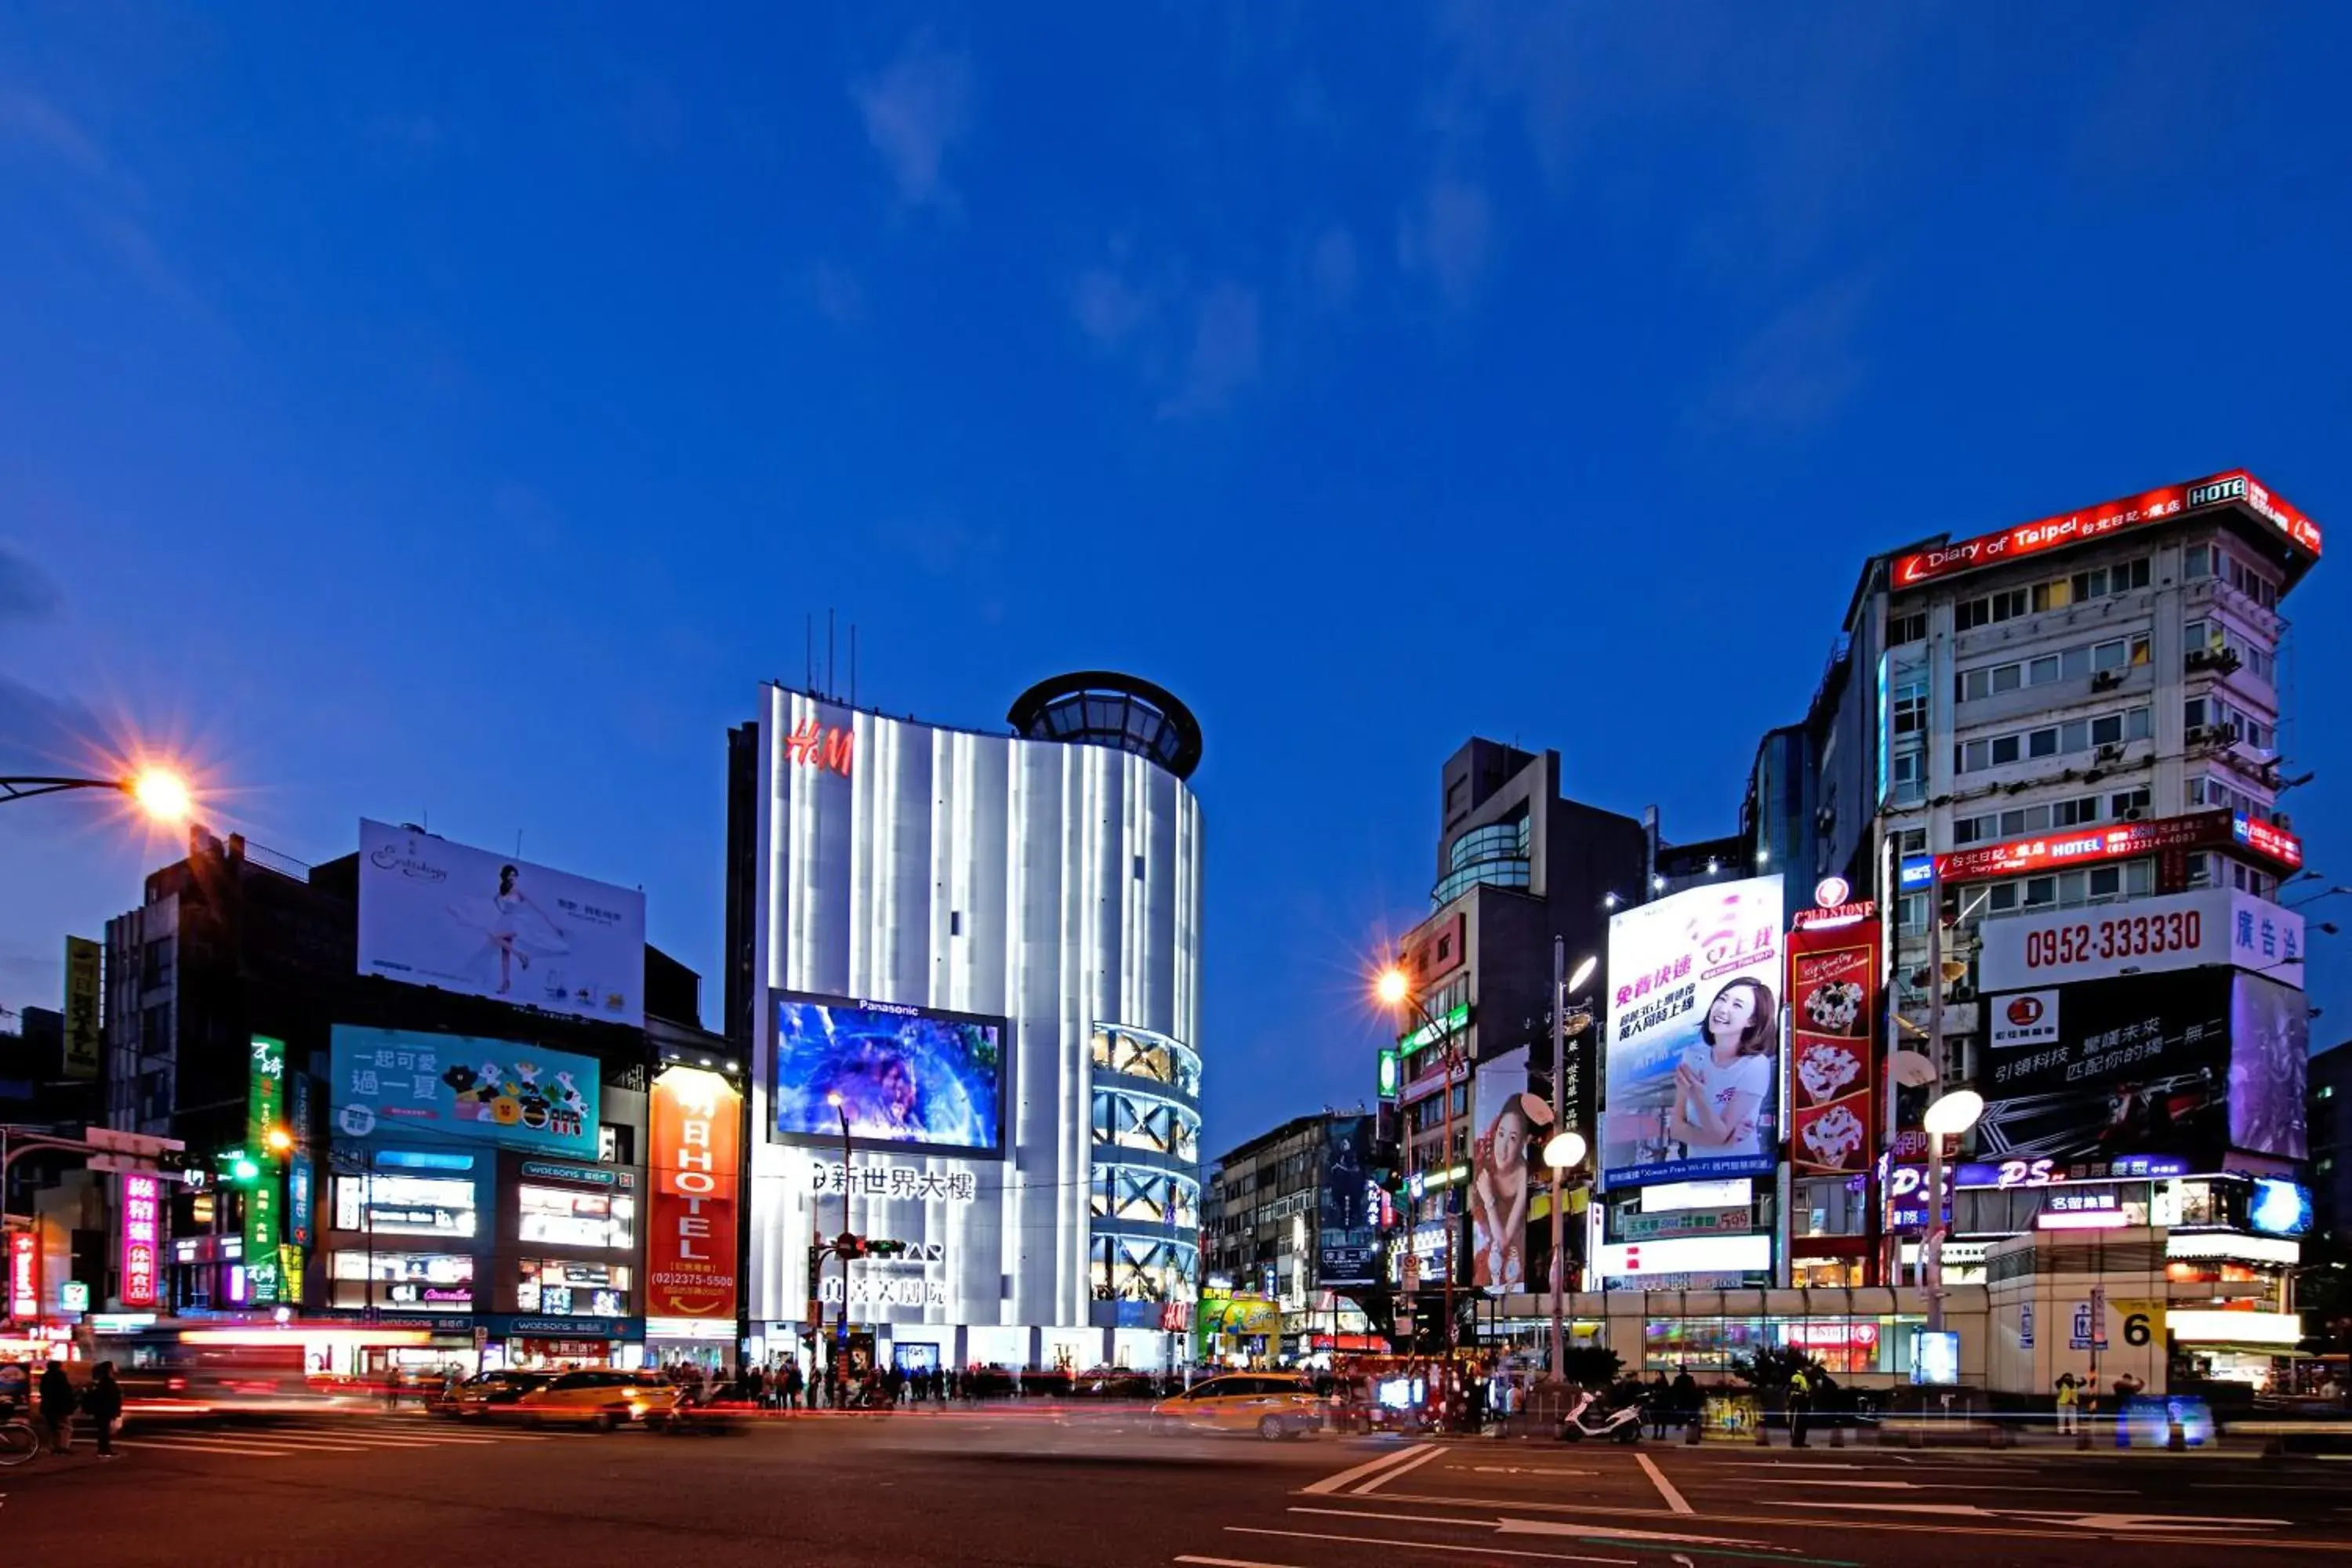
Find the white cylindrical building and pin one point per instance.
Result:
(982, 951)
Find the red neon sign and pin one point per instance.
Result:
(814, 745)
(2234, 486)
(24, 1275)
(2124, 841)
(142, 1238)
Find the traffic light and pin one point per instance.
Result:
(237, 1168)
(886, 1249)
(847, 1244)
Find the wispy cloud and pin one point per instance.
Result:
(1111, 309)
(1223, 358)
(108, 204)
(1795, 374)
(1448, 236)
(916, 110)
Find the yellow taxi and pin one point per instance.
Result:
(1273, 1404)
(593, 1397)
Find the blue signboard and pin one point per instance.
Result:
(458, 1087)
(299, 1180)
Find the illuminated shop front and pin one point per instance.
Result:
(979, 951)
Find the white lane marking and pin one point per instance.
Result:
(1665, 1488)
(1521, 1470)
(1433, 1546)
(1370, 1467)
(167, 1445)
(1814, 1481)
(1533, 1527)
(375, 1441)
(1385, 1476)
(2122, 1523)
(1228, 1563)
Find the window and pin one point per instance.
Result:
(2052, 740)
(1910, 705)
(558, 1216)
(2047, 670)
(1908, 772)
(2123, 804)
(559, 1289)
(617, 1144)
(413, 1281)
(1983, 612)
(1911, 841)
(2251, 582)
(1910, 629)
(2041, 892)
(2101, 581)
(405, 1206)
(2198, 561)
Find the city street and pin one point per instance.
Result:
(1035, 1486)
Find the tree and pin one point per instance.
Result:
(1772, 1366)
(1592, 1366)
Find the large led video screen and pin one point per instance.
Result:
(905, 1077)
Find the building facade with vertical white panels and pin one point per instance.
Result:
(1052, 879)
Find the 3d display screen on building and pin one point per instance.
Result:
(905, 1076)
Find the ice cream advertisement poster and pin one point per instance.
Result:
(459, 1088)
(1834, 996)
(1692, 1059)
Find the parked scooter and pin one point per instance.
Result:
(1586, 1418)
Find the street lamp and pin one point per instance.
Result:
(1394, 990)
(1566, 1146)
(160, 794)
(1948, 1117)
(848, 1180)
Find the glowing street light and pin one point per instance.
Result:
(162, 793)
(1393, 988)
(279, 1139)
(1948, 1117)
(1565, 1151)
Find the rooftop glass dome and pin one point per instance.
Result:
(1101, 708)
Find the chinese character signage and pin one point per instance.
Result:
(142, 1239)
(1345, 1241)
(695, 1165)
(2234, 487)
(81, 1007)
(2145, 936)
(265, 1098)
(261, 1237)
(459, 1088)
(24, 1275)
(1691, 1063)
(898, 1184)
(1833, 1004)
(441, 915)
(2141, 1065)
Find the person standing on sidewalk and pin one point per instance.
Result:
(57, 1407)
(102, 1403)
(1800, 1406)
(2070, 1405)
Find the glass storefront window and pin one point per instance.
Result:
(412, 1281)
(1843, 1345)
(558, 1289)
(405, 1206)
(560, 1217)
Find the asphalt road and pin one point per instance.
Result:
(1093, 1490)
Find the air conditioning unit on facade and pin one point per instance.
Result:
(2283, 822)
(2199, 658)
(2112, 752)
(2134, 814)
(2198, 734)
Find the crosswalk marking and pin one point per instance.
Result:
(288, 1442)
(180, 1445)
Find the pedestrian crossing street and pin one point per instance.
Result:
(288, 1440)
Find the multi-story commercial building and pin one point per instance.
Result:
(2327, 1101)
(1289, 1218)
(966, 968)
(1519, 867)
(419, 1173)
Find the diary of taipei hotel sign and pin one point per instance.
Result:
(2234, 487)
(690, 1246)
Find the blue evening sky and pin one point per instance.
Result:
(428, 411)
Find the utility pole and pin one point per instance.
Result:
(1558, 1185)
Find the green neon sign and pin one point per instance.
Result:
(1392, 1073)
(1436, 1029)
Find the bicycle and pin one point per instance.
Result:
(18, 1442)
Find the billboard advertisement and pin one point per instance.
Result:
(2114, 1068)
(81, 1007)
(436, 913)
(912, 1077)
(1502, 1155)
(459, 1088)
(1346, 1238)
(142, 1239)
(696, 1152)
(1691, 1065)
(2145, 936)
(1833, 1004)
(2270, 1046)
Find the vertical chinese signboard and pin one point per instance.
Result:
(142, 1238)
(264, 1110)
(1833, 1002)
(24, 1275)
(690, 1246)
(82, 1008)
